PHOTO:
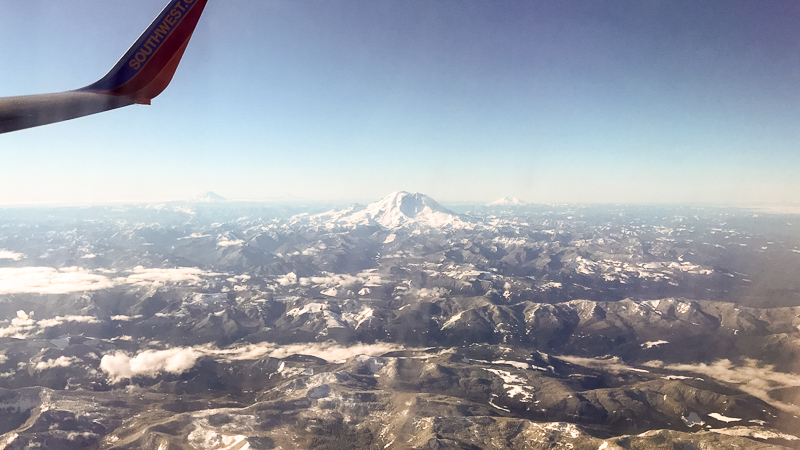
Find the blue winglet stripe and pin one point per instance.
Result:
(145, 47)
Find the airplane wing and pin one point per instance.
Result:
(141, 75)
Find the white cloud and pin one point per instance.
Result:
(89, 256)
(149, 363)
(343, 280)
(23, 324)
(326, 350)
(334, 352)
(47, 280)
(331, 280)
(61, 361)
(195, 236)
(23, 319)
(287, 280)
(6, 254)
(142, 276)
(59, 320)
(752, 378)
(20, 326)
(178, 360)
(612, 365)
(227, 243)
(3, 359)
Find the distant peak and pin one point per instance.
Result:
(408, 204)
(401, 209)
(210, 197)
(400, 195)
(507, 201)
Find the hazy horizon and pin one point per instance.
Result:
(774, 208)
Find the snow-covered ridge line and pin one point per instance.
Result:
(507, 201)
(397, 210)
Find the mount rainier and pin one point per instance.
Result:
(397, 210)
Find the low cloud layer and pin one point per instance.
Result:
(151, 363)
(48, 280)
(752, 378)
(142, 276)
(612, 365)
(24, 324)
(60, 320)
(330, 280)
(327, 351)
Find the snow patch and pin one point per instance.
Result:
(651, 344)
(693, 419)
(514, 385)
(309, 308)
(517, 364)
(722, 418)
(450, 322)
(210, 439)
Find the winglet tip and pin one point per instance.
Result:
(148, 66)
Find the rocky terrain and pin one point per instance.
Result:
(401, 324)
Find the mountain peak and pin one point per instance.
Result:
(210, 197)
(507, 201)
(410, 204)
(402, 209)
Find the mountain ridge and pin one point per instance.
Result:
(397, 210)
(210, 197)
(507, 201)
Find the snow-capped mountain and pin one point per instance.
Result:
(397, 210)
(210, 197)
(507, 201)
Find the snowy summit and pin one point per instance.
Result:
(507, 201)
(401, 209)
(210, 197)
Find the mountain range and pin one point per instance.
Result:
(399, 325)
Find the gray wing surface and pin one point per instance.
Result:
(17, 113)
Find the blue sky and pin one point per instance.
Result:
(643, 101)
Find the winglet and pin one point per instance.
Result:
(148, 66)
